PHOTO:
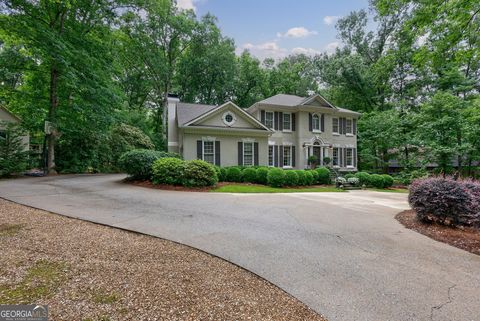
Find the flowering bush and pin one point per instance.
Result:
(446, 201)
(353, 180)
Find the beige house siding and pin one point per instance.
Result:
(228, 145)
(7, 117)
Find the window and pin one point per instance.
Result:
(335, 125)
(269, 119)
(315, 122)
(287, 121)
(209, 152)
(348, 127)
(349, 156)
(247, 154)
(287, 156)
(335, 157)
(271, 156)
(228, 118)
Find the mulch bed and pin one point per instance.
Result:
(84, 271)
(465, 238)
(149, 184)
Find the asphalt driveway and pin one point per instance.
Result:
(343, 254)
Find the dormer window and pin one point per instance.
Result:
(316, 123)
(269, 119)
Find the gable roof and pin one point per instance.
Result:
(10, 114)
(283, 100)
(187, 112)
(211, 111)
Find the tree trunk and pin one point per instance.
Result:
(51, 137)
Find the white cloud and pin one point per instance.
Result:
(297, 32)
(264, 50)
(329, 20)
(304, 51)
(187, 4)
(331, 47)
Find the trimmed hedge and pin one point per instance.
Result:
(387, 181)
(234, 174)
(376, 180)
(364, 178)
(349, 175)
(198, 173)
(291, 178)
(249, 175)
(308, 178)
(262, 173)
(138, 162)
(323, 175)
(222, 176)
(168, 170)
(276, 177)
(315, 176)
(302, 179)
(446, 201)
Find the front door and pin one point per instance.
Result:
(316, 153)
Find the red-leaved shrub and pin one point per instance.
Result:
(446, 201)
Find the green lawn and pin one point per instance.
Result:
(390, 190)
(242, 188)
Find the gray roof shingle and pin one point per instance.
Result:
(283, 100)
(187, 112)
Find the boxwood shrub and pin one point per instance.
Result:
(234, 174)
(308, 177)
(249, 175)
(276, 177)
(198, 173)
(291, 178)
(315, 176)
(138, 163)
(323, 175)
(376, 180)
(302, 180)
(262, 173)
(168, 170)
(349, 175)
(364, 178)
(446, 201)
(387, 181)
(222, 177)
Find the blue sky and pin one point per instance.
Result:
(278, 28)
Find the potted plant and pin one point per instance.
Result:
(326, 161)
(312, 161)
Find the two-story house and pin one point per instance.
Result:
(281, 131)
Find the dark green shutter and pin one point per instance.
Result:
(354, 122)
(293, 122)
(344, 157)
(275, 120)
(310, 128)
(199, 149)
(280, 122)
(322, 123)
(280, 154)
(293, 156)
(275, 155)
(240, 153)
(354, 157)
(262, 116)
(255, 154)
(217, 152)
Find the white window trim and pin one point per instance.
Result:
(346, 157)
(336, 133)
(283, 122)
(234, 118)
(351, 127)
(273, 156)
(283, 158)
(338, 156)
(319, 130)
(273, 119)
(203, 149)
(246, 141)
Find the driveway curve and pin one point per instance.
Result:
(343, 254)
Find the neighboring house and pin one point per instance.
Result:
(280, 131)
(8, 117)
